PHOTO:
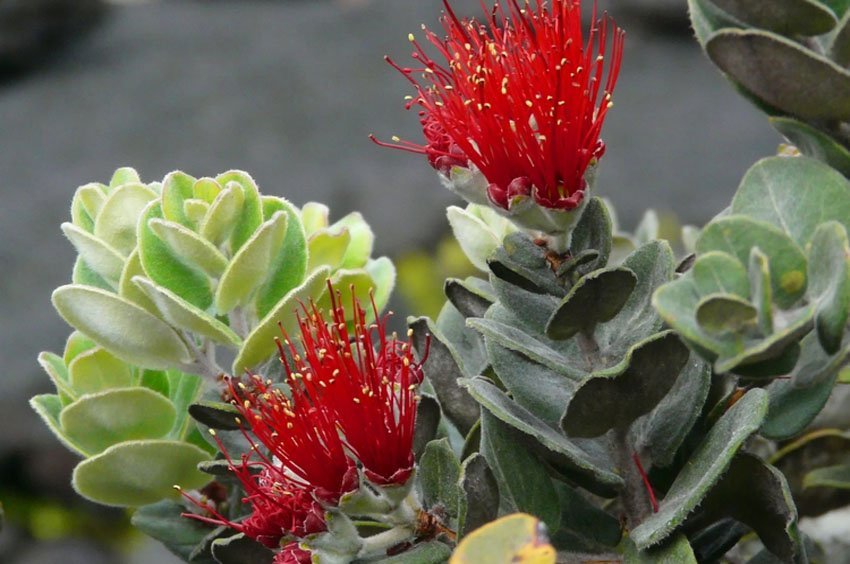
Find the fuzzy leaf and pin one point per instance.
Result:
(593, 232)
(761, 290)
(706, 18)
(829, 283)
(583, 519)
(289, 267)
(479, 494)
(250, 216)
(55, 368)
(98, 255)
(521, 262)
(596, 298)
(756, 494)
(180, 314)
(251, 265)
(136, 473)
(166, 268)
(177, 187)
(836, 477)
(124, 329)
(439, 473)
(240, 549)
(725, 313)
(706, 466)
(383, 274)
(48, 407)
(314, 217)
(664, 430)
(589, 468)
(119, 216)
(326, 248)
(615, 397)
(750, 56)
(224, 211)
(471, 297)
(531, 311)
(517, 538)
(362, 240)
(737, 235)
(814, 143)
(215, 415)
(189, 247)
(432, 552)
(98, 421)
(164, 522)
(677, 551)
(477, 240)
(427, 424)
(443, 368)
(259, 345)
(95, 370)
(131, 292)
(524, 484)
(786, 17)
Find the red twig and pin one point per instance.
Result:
(645, 478)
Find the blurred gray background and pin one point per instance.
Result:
(287, 90)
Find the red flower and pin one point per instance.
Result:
(363, 379)
(293, 554)
(522, 96)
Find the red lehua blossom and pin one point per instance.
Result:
(522, 96)
(366, 380)
(293, 554)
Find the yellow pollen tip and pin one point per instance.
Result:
(396, 138)
(212, 432)
(410, 37)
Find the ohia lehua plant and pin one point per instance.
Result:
(169, 278)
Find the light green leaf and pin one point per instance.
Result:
(98, 255)
(251, 215)
(476, 239)
(289, 267)
(176, 188)
(362, 240)
(118, 219)
(515, 539)
(761, 290)
(314, 216)
(189, 247)
(48, 407)
(706, 466)
(221, 218)
(123, 175)
(439, 472)
(55, 368)
(123, 328)
(98, 421)
(91, 198)
(180, 314)
(85, 276)
(76, 344)
(725, 313)
(96, 370)
(131, 292)
(136, 473)
(327, 248)
(165, 267)
(259, 345)
(251, 265)
(382, 271)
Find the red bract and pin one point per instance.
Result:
(522, 95)
(293, 554)
(366, 380)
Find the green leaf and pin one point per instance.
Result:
(314, 216)
(664, 430)
(165, 267)
(466, 342)
(259, 345)
(439, 473)
(180, 314)
(98, 255)
(517, 538)
(750, 56)
(251, 265)
(589, 468)
(705, 467)
(427, 423)
(216, 415)
(362, 240)
(251, 212)
(131, 292)
(119, 216)
(96, 370)
(224, 211)
(432, 552)
(55, 368)
(327, 248)
(593, 232)
(240, 549)
(813, 143)
(123, 175)
(164, 522)
(706, 18)
(85, 276)
(761, 290)
(523, 482)
(726, 313)
(771, 191)
(383, 274)
(190, 247)
(90, 198)
(581, 518)
(479, 494)
(531, 311)
(139, 472)
(76, 344)
(443, 368)
(195, 210)
(829, 283)
(737, 235)
(177, 187)
(98, 421)
(839, 47)
(183, 390)
(471, 297)
(289, 267)
(676, 551)
(836, 477)
(613, 398)
(786, 17)
(756, 494)
(48, 407)
(596, 298)
(121, 327)
(477, 240)
(521, 262)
